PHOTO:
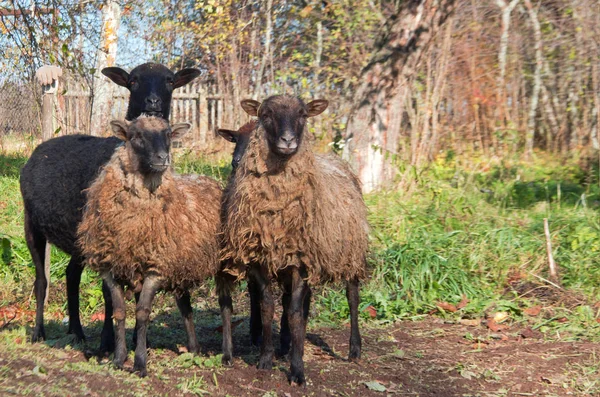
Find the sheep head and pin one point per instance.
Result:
(148, 142)
(283, 118)
(151, 86)
(241, 138)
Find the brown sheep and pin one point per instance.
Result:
(294, 217)
(150, 229)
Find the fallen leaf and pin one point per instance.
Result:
(471, 323)
(463, 302)
(533, 311)
(494, 326)
(97, 317)
(447, 307)
(562, 320)
(527, 333)
(555, 379)
(234, 324)
(372, 311)
(375, 386)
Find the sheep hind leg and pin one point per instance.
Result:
(118, 313)
(74, 270)
(107, 336)
(255, 316)
(185, 307)
(142, 318)
(36, 242)
(224, 287)
(353, 299)
(266, 311)
(297, 317)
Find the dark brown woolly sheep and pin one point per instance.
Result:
(294, 217)
(150, 229)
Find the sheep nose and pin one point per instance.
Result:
(153, 102)
(288, 138)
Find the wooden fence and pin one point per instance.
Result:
(196, 103)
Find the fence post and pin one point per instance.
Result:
(48, 76)
(203, 122)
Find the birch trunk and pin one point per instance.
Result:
(107, 53)
(373, 130)
(506, 12)
(267, 51)
(537, 80)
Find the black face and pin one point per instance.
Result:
(151, 86)
(283, 119)
(149, 138)
(241, 140)
(152, 149)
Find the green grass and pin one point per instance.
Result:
(452, 231)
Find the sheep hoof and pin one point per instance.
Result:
(354, 355)
(78, 333)
(142, 373)
(39, 334)
(297, 379)
(265, 363)
(227, 361)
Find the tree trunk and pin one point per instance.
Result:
(267, 52)
(537, 80)
(107, 53)
(506, 11)
(373, 130)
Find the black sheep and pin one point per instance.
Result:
(60, 169)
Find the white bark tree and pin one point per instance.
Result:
(107, 54)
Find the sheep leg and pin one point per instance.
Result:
(297, 316)
(266, 311)
(255, 316)
(74, 270)
(224, 286)
(185, 307)
(142, 317)
(134, 338)
(285, 338)
(107, 336)
(36, 242)
(353, 300)
(118, 309)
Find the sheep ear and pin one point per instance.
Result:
(250, 106)
(179, 130)
(117, 75)
(317, 107)
(184, 76)
(120, 129)
(228, 135)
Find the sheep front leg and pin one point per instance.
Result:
(36, 242)
(353, 300)
(185, 307)
(74, 270)
(266, 311)
(255, 316)
(297, 318)
(142, 317)
(107, 336)
(118, 310)
(224, 286)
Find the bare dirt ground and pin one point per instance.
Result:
(422, 358)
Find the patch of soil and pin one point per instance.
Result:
(424, 358)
